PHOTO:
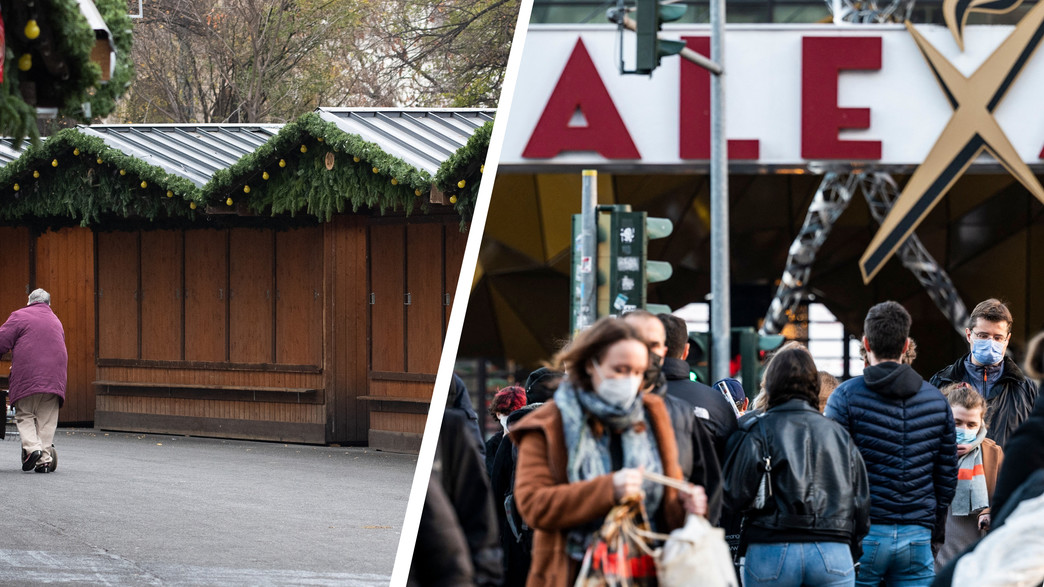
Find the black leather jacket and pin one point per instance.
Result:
(820, 491)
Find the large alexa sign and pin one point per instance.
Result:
(881, 96)
(794, 95)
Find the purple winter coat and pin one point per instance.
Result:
(39, 359)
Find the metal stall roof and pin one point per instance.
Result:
(8, 153)
(422, 137)
(192, 151)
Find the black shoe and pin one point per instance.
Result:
(54, 459)
(44, 468)
(30, 460)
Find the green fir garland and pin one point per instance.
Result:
(120, 25)
(304, 184)
(72, 178)
(73, 40)
(74, 188)
(467, 165)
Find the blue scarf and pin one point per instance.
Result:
(589, 455)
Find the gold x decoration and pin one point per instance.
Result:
(971, 129)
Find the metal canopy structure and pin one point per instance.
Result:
(8, 153)
(424, 138)
(194, 152)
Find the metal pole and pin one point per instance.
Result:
(588, 267)
(721, 326)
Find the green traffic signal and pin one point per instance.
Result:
(650, 16)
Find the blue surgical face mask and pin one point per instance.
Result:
(965, 436)
(987, 352)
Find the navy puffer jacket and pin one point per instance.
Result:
(903, 427)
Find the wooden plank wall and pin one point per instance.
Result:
(199, 326)
(408, 328)
(347, 351)
(65, 268)
(14, 269)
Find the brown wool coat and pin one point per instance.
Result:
(992, 458)
(551, 505)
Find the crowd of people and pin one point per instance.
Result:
(886, 478)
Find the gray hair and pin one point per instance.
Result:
(39, 295)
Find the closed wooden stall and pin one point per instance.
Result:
(209, 305)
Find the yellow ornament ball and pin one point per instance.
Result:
(356, 159)
(394, 181)
(54, 163)
(228, 202)
(482, 168)
(282, 163)
(170, 194)
(36, 174)
(17, 187)
(25, 62)
(320, 139)
(76, 151)
(246, 190)
(265, 176)
(192, 205)
(32, 30)
(375, 170)
(144, 185)
(417, 192)
(99, 160)
(123, 172)
(453, 199)
(461, 183)
(304, 149)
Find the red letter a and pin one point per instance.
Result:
(580, 88)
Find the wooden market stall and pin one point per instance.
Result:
(287, 284)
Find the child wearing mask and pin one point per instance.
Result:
(978, 460)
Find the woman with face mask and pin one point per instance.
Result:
(583, 452)
(978, 461)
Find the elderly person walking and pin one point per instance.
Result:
(583, 452)
(39, 360)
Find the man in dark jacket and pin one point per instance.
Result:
(1010, 395)
(459, 400)
(39, 361)
(698, 453)
(904, 429)
(460, 469)
(711, 405)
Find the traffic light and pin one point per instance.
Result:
(650, 16)
(752, 349)
(699, 356)
(746, 343)
(622, 268)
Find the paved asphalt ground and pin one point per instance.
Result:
(143, 509)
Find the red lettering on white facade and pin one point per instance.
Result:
(822, 60)
(580, 88)
(694, 139)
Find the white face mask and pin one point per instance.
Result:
(503, 422)
(619, 391)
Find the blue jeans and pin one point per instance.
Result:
(897, 554)
(799, 563)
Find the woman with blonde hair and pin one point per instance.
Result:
(585, 451)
